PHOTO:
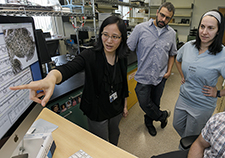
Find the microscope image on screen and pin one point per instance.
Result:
(19, 65)
(20, 45)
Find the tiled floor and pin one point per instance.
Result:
(134, 136)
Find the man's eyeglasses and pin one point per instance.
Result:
(163, 16)
(105, 36)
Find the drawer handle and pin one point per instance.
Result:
(72, 97)
(68, 114)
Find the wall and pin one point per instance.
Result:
(200, 7)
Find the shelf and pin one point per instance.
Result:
(176, 24)
(176, 15)
(185, 7)
(154, 7)
(182, 15)
(135, 17)
(87, 20)
(179, 7)
(123, 4)
(90, 20)
(41, 13)
(107, 7)
(188, 7)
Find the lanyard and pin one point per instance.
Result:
(114, 69)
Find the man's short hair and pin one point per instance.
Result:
(169, 6)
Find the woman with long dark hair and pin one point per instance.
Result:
(105, 89)
(200, 63)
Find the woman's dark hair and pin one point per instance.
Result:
(216, 45)
(122, 50)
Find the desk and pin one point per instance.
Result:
(70, 138)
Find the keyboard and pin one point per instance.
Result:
(80, 154)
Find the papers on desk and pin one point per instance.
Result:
(38, 140)
(40, 145)
(42, 126)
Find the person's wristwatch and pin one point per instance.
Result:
(218, 94)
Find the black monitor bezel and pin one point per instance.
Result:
(83, 37)
(16, 19)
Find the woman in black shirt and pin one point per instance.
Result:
(105, 89)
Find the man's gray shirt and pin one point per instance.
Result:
(152, 51)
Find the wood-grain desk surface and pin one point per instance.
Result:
(70, 138)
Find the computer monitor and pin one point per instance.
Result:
(43, 52)
(83, 35)
(19, 65)
(42, 47)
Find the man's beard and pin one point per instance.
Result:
(158, 23)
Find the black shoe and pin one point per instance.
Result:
(165, 121)
(152, 130)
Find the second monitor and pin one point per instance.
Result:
(82, 35)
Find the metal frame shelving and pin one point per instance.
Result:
(23, 11)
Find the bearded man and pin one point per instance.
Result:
(155, 45)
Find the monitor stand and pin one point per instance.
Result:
(21, 156)
(31, 148)
(34, 145)
(21, 150)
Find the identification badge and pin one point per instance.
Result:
(112, 96)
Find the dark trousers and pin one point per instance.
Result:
(149, 100)
(107, 129)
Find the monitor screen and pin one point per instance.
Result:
(19, 65)
(42, 47)
(83, 35)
